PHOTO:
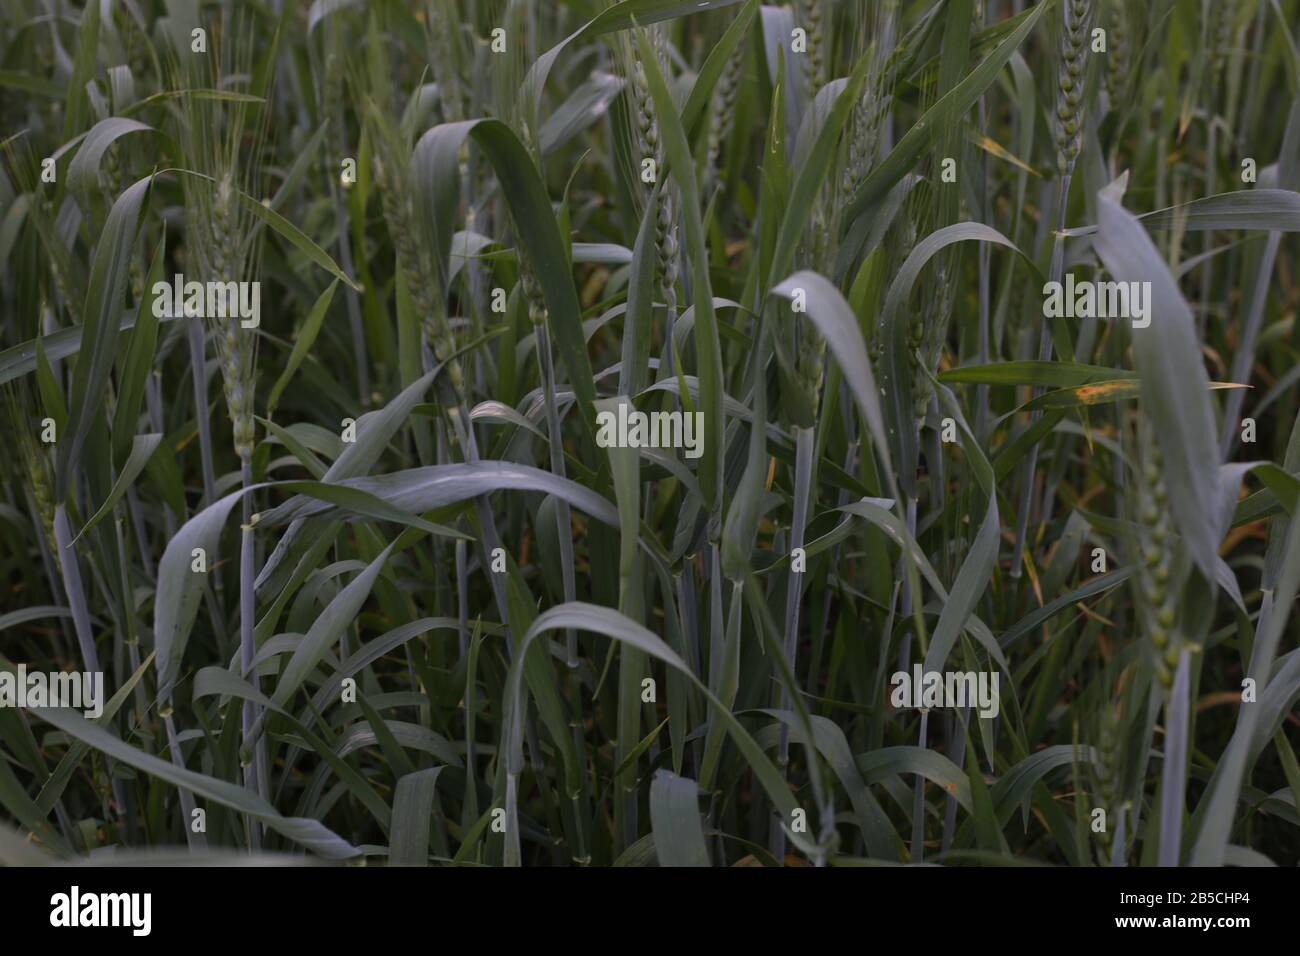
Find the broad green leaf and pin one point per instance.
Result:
(142, 449)
(176, 599)
(896, 364)
(418, 490)
(1274, 210)
(935, 767)
(327, 629)
(836, 322)
(83, 171)
(408, 843)
(310, 834)
(139, 359)
(1175, 386)
(301, 345)
(602, 620)
(675, 821)
(585, 106)
(1047, 374)
(831, 743)
(104, 294)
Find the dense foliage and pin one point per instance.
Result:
(372, 569)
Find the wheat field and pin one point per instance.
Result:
(652, 433)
